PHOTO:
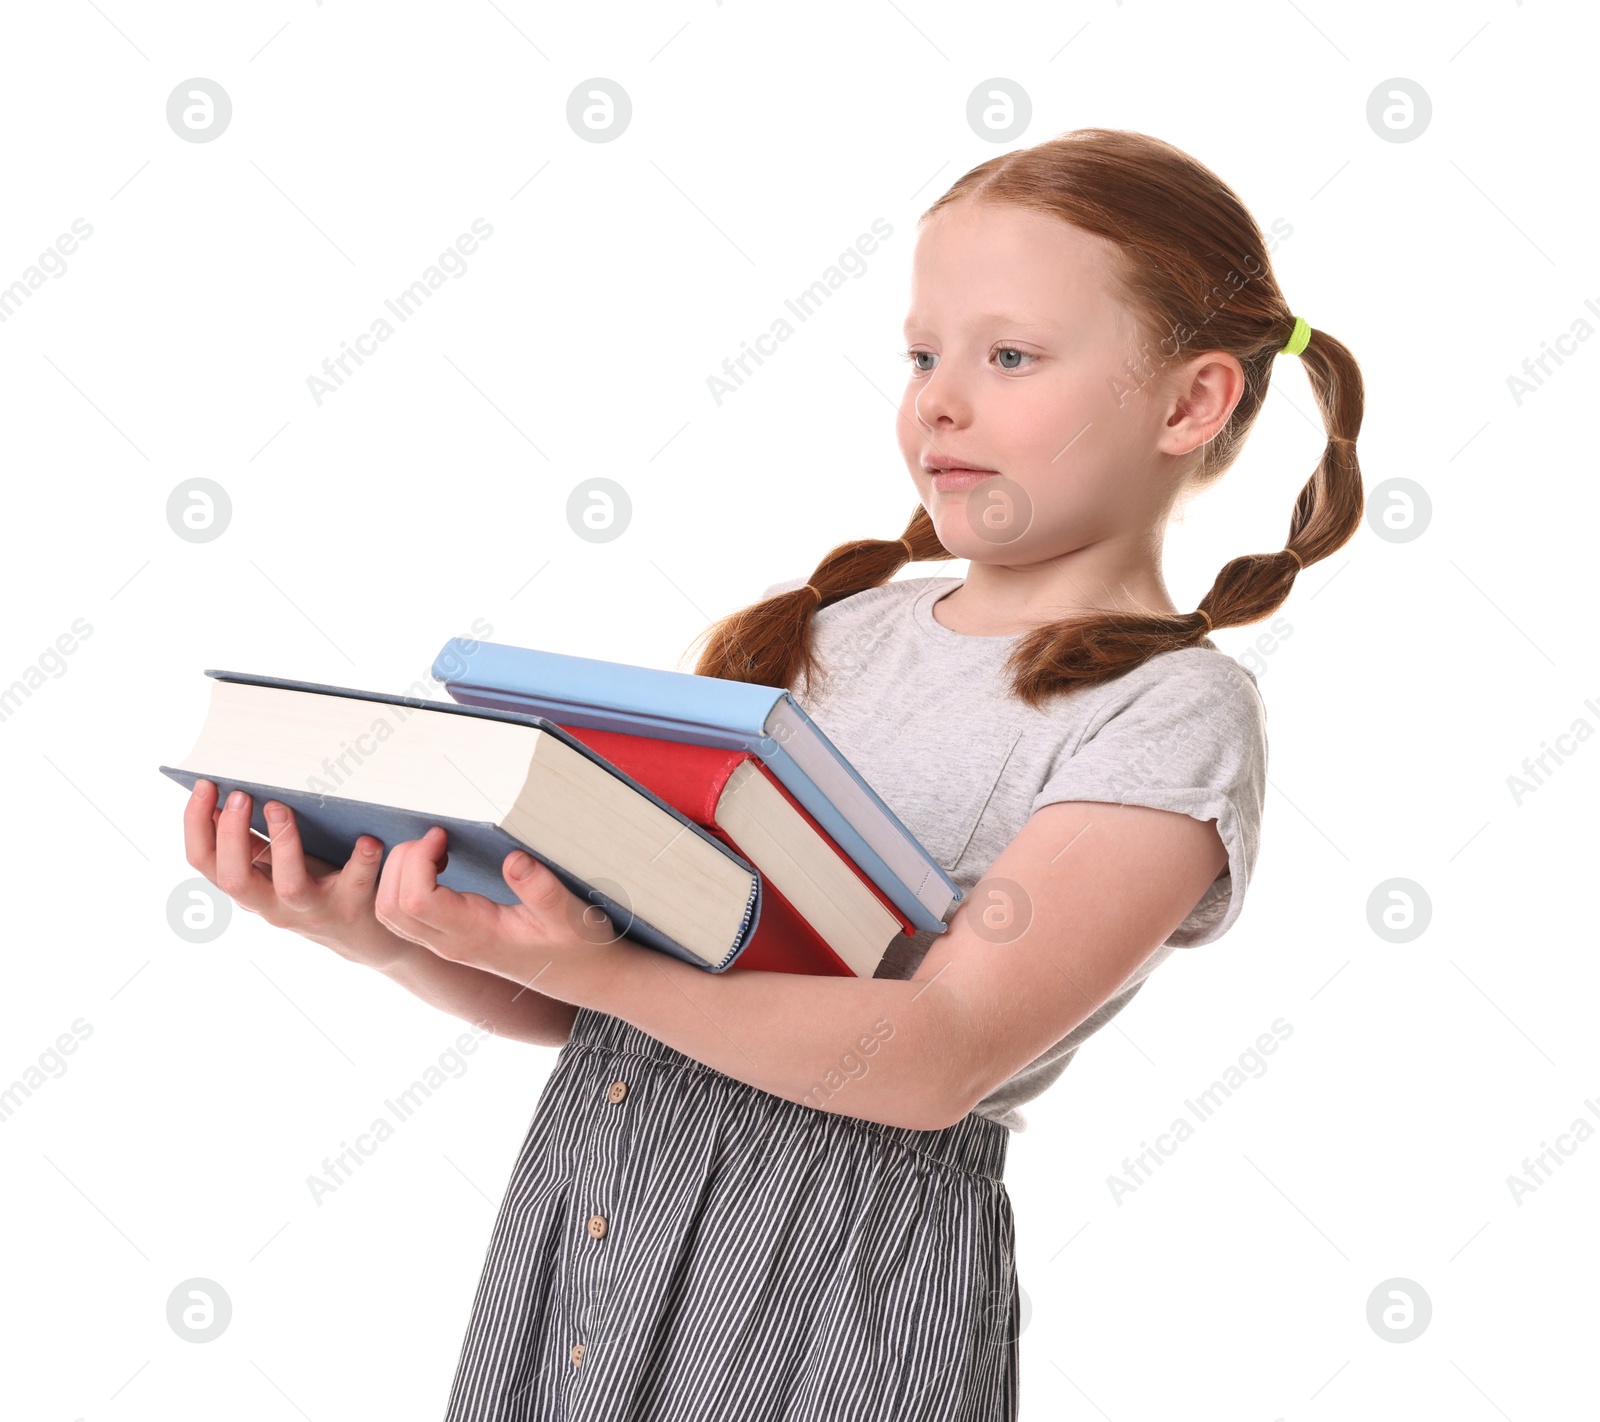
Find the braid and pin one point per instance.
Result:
(769, 642)
(1092, 648)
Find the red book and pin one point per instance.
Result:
(834, 921)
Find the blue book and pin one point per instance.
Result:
(766, 721)
(352, 762)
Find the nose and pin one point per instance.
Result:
(941, 403)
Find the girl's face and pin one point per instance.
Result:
(1017, 348)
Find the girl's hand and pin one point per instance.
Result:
(516, 941)
(286, 886)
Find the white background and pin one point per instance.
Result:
(432, 487)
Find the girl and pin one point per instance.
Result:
(767, 1196)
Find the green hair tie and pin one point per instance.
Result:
(1299, 338)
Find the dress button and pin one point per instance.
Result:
(619, 1089)
(597, 1226)
(577, 1352)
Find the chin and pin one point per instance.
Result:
(959, 539)
(949, 513)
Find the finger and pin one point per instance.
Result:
(290, 877)
(426, 911)
(387, 903)
(318, 869)
(460, 927)
(261, 857)
(534, 883)
(419, 895)
(356, 888)
(549, 909)
(237, 846)
(199, 829)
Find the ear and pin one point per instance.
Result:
(1203, 395)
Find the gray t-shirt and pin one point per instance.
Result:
(927, 716)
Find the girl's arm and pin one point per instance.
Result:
(1066, 915)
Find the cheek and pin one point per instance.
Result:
(1072, 419)
(907, 431)
(1124, 407)
(1040, 423)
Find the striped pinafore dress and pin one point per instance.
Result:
(675, 1245)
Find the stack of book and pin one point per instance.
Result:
(708, 819)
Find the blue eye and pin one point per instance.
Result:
(916, 358)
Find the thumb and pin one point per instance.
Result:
(531, 881)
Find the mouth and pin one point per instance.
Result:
(950, 476)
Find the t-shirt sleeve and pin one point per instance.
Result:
(1186, 731)
(787, 585)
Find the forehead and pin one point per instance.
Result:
(991, 262)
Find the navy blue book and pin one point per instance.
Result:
(352, 762)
